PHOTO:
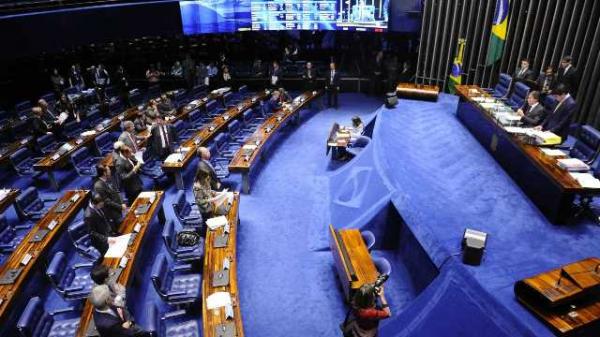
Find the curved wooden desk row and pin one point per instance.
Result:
(245, 157)
(7, 150)
(418, 91)
(206, 133)
(21, 263)
(132, 223)
(216, 319)
(8, 199)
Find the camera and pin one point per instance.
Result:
(381, 279)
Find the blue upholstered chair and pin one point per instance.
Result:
(104, 143)
(369, 239)
(187, 213)
(84, 162)
(9, 237)
(222, 147)
(183, 130)
(72, 129)
(501, 89)
(174, 284)
(212, 108)
(587, 145)
(198, 91)
(195, 119)
(35, 321)
(229, 99)
(220, 165)
(250, 121)
(180, 254)
(383, 265)
(153, 170)
(518, 96)
(549, 103)
(115, 106)
(172, 324)
(47, 144)
(80, 236)
(23, 108)
(93, 118)
(30, 206)
(180, 99)
(22, 161)
(71, 282)
(49, 97)
(358, 145)
(236, 134)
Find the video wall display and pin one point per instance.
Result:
(210, 16)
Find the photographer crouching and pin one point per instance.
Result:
(364, 315)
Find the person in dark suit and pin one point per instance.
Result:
(274, 103)
(567, 75)
(524, 73)
(165, 107)
(110, 320)
(128, 172)
(309, 76)
(205, 169)
(162, 138)
(546, 80)
(97, 222)
(275, 74)
(113, 204)
(141, 121)
(532, 113)
(332, 85)
(39, 126)
(559, 120)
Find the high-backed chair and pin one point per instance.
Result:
(518, 96)
(383, 265)
(195, 119)
(212, 108)
(369, 239)
(587, 145)
(84, 162)
(173, 285)
(180, 99)
(80, 236)
(72, 129)
(23, 108)
(187, 213)
(236, 134)
(358, 145)
(220, 143)
(22, 161)
(549, 103)
(30, 206)
(220, 165)
(47, 144)
(501, 89)
(179, 253)
(93, 118)
(172, 324)
(50, 98)
(198, 91)
(115, 106)
(182, 130)
(9, 237)
(153, 170)
(35, 321)
(71, 282)
(229, 99)
(104, 143)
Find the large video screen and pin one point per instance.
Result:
(210, 16)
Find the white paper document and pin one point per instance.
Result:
(586, 180)
(139, 156)
(214, 223)
(175, 157)
(553, 152)
(4, 193)
(88, 133)
(148, 195)
(118, 248)
(218, 300)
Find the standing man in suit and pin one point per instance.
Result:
(110, 320)
(128, 172)
(113, 204)
(162, 138)
(275, 74)
(559, 120)
(524, 73)
(532, 113)
(332, 85)
(97, 222)
(205, 168)
(567, 75)
(39, 126)
(309, 76)
(128, 136)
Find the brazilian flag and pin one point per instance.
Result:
(499, 26)
(455, 77)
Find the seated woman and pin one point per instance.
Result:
(365, 315)
(211, 203)
(357, 128)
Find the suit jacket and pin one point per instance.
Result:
(112, 200)
(527, 75)
(336, 79)
(156, 142)
(140, 123)
(100, 228)
(112, 325)
(542, 80)
(273, 105)
(206, 169)
(559, 120)
(128, 139)
(39, 126)
(568, 78)
(130, 180)
(533, 117)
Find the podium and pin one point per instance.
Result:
(567, 299)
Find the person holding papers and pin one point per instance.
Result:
(532, 113)
(205, 169)
(357, 128)
(96, 220)
(559, 120)
(128, 172)
(113, 205)
(211, 203)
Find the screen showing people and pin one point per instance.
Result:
(210, 16)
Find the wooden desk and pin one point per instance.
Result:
(243, 159)
(566, 298)
(213, 262)
(418, 91)
(552, 189)
(10, 292)
(48, 165)
(132, 253)
(352, 259)
(8, 149)
(9, 199)
(206, 133)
